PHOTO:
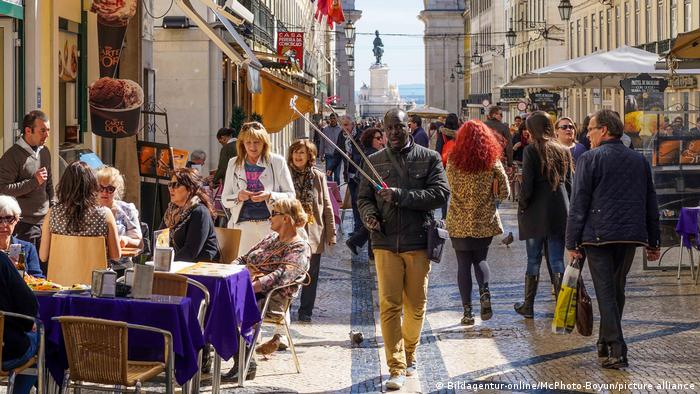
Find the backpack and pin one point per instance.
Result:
(446, 149)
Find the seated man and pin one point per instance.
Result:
(21, 342)
(277, 260)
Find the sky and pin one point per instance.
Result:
(403, 55)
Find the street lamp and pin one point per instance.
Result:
(349, 49)
(349, 31)
(565, 8)
(476, 58)
(351, 62)
(510, 36)
(452, 77)
(458, 67)
(351, 72)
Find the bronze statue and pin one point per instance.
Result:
(378, 48)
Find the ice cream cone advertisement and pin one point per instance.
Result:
(112, 19)
(115, 107)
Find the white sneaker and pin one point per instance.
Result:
(411, 369)
(395, 382)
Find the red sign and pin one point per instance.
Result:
(290, 48)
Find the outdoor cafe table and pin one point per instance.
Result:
(174, 314)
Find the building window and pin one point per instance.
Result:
(637, 22)
(659, 20)
(617, 26)
(571, 40)
(688, 15)
(600, 30)
(578, 37)
(593, 43)
(608, 31)
(674, 14)
(585, 35)
(627, 23)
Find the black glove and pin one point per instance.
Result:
(389, 194)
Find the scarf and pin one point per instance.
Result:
(175, 217)
(304, 187)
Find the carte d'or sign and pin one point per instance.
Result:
(115, 104)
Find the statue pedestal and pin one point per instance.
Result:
(379, 97)
(379, 80)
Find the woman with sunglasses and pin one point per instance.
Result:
(10, 213)
(543, 205)
(110, 193)
(565, 130)
(189, 217)
(372, 139)
(277, 260)
(253, 181)
(78, 213)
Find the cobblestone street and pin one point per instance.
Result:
(660, 322)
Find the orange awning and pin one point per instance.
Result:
(273, 102)
(687, 45)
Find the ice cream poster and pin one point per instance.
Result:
(290, 48)
(112, 20)
(115, 107)
(643, 93)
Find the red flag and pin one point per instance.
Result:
(335, 13)
(321, 9)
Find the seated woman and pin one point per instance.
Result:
(9, 216)
(110, 192)
(275, 261)
(20, 341)
(78, 213)
(190, 218)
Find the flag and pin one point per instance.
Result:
(321, 9)
(335, 12)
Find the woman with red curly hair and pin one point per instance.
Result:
(477, 179)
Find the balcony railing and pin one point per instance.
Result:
(263, 25)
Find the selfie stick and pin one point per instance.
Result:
(293, 106)
(362, 153)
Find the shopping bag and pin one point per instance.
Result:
(565, 311)
(584, 310)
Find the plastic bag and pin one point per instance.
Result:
(565, 311)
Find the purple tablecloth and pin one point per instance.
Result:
(232, 310)
(687, 225)
(336, 200)
(174, 314)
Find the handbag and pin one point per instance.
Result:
(437, 233)
(584, 310)
(565, 312)
(347, 200)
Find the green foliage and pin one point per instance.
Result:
(256, 117)
(237, 120)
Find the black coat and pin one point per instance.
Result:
(614, 200)
(196, 240)
(15, 296)
(541, 211)
(404, 223)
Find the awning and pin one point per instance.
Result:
(687, 45)
(13, 8)
(273, 103)
(250, 61)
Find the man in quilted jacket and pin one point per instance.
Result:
(613, 211)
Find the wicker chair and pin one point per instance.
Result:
(277, 318)
(229, 240)
(25, 368)
(97, 353)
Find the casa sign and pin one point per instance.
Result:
(683, 82)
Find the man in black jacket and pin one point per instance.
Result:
(613, 211)
(502, 132)
(398, 218)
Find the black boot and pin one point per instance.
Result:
(485, 300)
(206, 358)
(232, 375)
(525, 308)
(557, 284)
(468, 318)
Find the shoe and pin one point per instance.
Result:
(304, 318)
(557, 283)
(232, 375)
(352, 247)
(485, 300)
(525, 308)
(615, 362)
(410, 365)
(603, 350)
(468, 317)
(206, 359)
(396, 381)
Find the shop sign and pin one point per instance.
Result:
(545, 100)
(644, 93)
(683, 82)
(290, 48)
(13, 8)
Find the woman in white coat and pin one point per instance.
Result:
(254, 180)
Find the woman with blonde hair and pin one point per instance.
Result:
(565, 130)
(312, 191)
(110, 190)
(254, 180)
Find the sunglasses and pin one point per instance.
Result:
(566, 127)
(109, 189)
(174, 185)
(275, 213)
(8, 219)
(378, 138)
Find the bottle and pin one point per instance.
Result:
(21, 265)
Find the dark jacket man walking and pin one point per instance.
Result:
(493, 121)
(613, 211)
(398, 217)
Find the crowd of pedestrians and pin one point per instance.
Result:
(568, 207)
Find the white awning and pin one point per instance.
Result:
(250, 62)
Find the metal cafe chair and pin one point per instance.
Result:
(274, 317)
(26, 368)
(97, 351)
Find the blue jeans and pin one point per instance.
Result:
(334, 165)
(24, 383)
(356, 220)
(555, 244)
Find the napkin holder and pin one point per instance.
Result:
(140, 278)
(104, 283)
(163, 259)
